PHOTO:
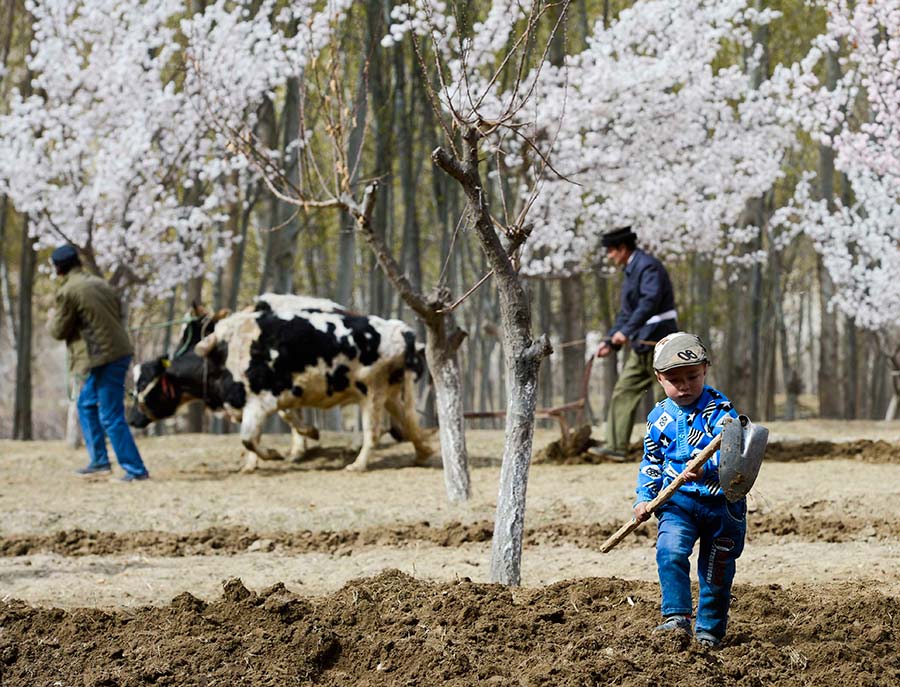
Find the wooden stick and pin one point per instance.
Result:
(665, 494)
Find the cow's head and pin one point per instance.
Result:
(156, 394)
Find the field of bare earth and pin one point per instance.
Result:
(302, 573)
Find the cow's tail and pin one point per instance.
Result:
(414, 355)
(205, 345)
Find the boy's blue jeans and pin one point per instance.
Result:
(721, 527)
(101, 412)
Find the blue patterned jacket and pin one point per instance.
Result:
(675, 434)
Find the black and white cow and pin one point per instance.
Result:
(287, 353)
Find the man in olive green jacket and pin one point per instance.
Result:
(88, 317)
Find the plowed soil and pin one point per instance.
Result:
(304, 574)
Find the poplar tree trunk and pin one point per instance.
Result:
(194, 414)
(238, 223)
(382, 124)
(572, 291)
(829, 398)
(755, 215)
(73, 425)
(789, 372)
(892, 355)
(22, 420)
(609, 364)
(347, 240)
(6, 305)
(878, 384)
(412, 258)
(545, 322)
(851, 371)
(284, 235)
(268, 127)
(702, 279)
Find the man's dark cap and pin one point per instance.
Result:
(64, 255)
(617, 237)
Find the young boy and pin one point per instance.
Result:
(678, 428)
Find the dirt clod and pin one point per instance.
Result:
(403, 631)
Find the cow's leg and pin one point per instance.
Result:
(254, 416)
(299, 432)
(372, 408)
(402, 407)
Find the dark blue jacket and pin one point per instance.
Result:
(647, 291)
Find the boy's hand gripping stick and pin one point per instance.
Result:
(695, 464)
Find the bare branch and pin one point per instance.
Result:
(413, 298)
(449, 164)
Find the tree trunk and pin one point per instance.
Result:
(892, 354)
(609, 364)
(523, 361)
(442, 343)
(22, 419)
(284, 236)
(829, 398)
(851, 372)
(194, 414)
(877, 383)
(545, 322)
(6, 303)
(73, 425)
(441, 353)
(789, 372)
(229, 273)
(347, 240)
(572, 291)
(268, 126)
(235, 268)
(382, 124)
(702, 277)
(754, 215)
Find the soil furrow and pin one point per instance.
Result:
(235, 540)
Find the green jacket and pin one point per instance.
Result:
(89, 319)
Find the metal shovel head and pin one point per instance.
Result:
(740, 456)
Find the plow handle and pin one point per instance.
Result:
(665, 494)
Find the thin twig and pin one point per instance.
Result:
(452, 307)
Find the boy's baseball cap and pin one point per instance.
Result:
(679, 350)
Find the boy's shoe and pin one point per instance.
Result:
(128, 477)
(675, 622)
(92, 470)
(708, 640)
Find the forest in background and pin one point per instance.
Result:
(784, 342)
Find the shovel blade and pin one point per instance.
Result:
(740, 456)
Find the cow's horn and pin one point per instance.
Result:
(205, 345)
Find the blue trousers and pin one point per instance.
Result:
(721, 528)
(101, 412)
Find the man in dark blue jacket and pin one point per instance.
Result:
(646, 315)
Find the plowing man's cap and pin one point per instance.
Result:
(64, 255)
(679, 350)
(617, 237)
